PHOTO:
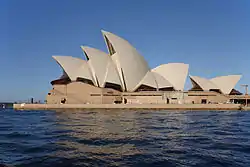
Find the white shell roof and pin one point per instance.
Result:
(223, 83)
(161, 81)
(112, 75)
(204, 83)
(149, 80)
(226, 83)
(131, 66)
(155, 80)
(102, 66)
(74, 67)
(175, 73)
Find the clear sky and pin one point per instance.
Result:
(213, 36)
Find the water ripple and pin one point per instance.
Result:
(124, 138)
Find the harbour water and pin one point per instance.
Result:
(124, 138)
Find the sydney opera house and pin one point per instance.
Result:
(123, 76)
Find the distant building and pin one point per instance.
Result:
(123, 75)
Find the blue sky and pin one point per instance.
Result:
(212, 36)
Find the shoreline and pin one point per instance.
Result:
(200, 107)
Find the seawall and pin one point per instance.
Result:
(202, 107)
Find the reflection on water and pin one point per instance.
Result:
(124, 138)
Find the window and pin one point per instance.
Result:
(113, 86)
(203, 101)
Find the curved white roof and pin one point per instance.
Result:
(102, 66)
(161, 81)
(154, 80)
(74, 67)
(226, 83)
(131, 66)
(175, 73)
(112, 75)
(223, 83)
(205, 84)
(148, 80)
